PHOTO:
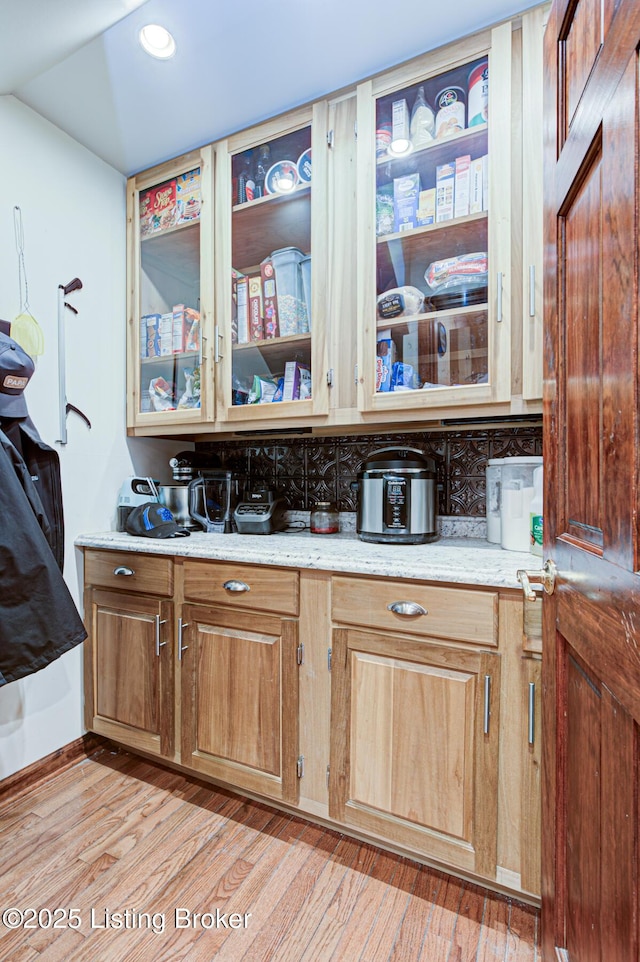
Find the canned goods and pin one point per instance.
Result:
(451, 114)
(383, 139)
(478, 95)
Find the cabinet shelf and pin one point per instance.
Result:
(171, 358)
(275, 343)
(474, 140)
(457, 223)
(400, 322)
(186, 227)
(270, 199)
(265, 225)
(273, 353)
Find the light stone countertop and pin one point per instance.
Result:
(457, 560)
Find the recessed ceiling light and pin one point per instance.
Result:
(157, 41)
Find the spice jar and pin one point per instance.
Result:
(324, 518)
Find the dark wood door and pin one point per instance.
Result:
(591, 661)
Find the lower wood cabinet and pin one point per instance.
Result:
(401, 710)
(239, 682)
(129, 669)
(414, 745)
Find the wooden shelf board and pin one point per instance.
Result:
(457, 223)
(469, 136)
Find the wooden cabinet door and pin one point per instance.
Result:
(239, 681)
(414, 745)
(533, 24)
(170, 295)
(129, 669)
(591, 669)
(452, 346)
(262, 328)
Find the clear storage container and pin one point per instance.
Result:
(292, 309)
(494, 471)
(516, 495)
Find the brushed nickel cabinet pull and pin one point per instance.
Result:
(159, 644)
(487, 703)
(181, 647)
(532, 712)
(499, 305)
(236, 586)
(408, 609)
(217, 357)
(123, 570)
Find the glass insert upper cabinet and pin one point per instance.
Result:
(434, 229)
(170, 293)
(270, 345)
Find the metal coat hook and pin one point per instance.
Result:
(66, 406)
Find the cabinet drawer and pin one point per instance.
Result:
(243, 586)
(129, 571)
(456, 613)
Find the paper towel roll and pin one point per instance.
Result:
(514, 518)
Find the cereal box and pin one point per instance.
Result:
(426, 213)
(475, 195)
(445, 184)
(183, 320)
(152, 328)
(269, 299)
(405, 201)
(158, 208)
(256, 322)
(165, 329)
(242, 301)
(297, 381)
(188, 197)
(463, 186)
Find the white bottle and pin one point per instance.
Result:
(535, 513)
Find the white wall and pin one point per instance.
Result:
(73, 214)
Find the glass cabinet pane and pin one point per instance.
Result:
(432, 233)
(170, 336)
(271, 271)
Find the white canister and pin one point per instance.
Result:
(516, 495)
(494, 472)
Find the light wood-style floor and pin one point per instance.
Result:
(136, 843)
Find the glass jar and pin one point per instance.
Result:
(324, 518)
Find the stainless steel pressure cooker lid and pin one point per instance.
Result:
(399, 459)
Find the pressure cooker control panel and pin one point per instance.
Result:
(396, 501)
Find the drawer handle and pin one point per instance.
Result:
(487, 704)
(181, 627)
(408, 609)
(236, 586)
(122, 570)
(159, 644)
(532, 713)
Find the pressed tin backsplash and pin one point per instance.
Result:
(304, 470)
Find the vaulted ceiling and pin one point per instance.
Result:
(79, 65)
